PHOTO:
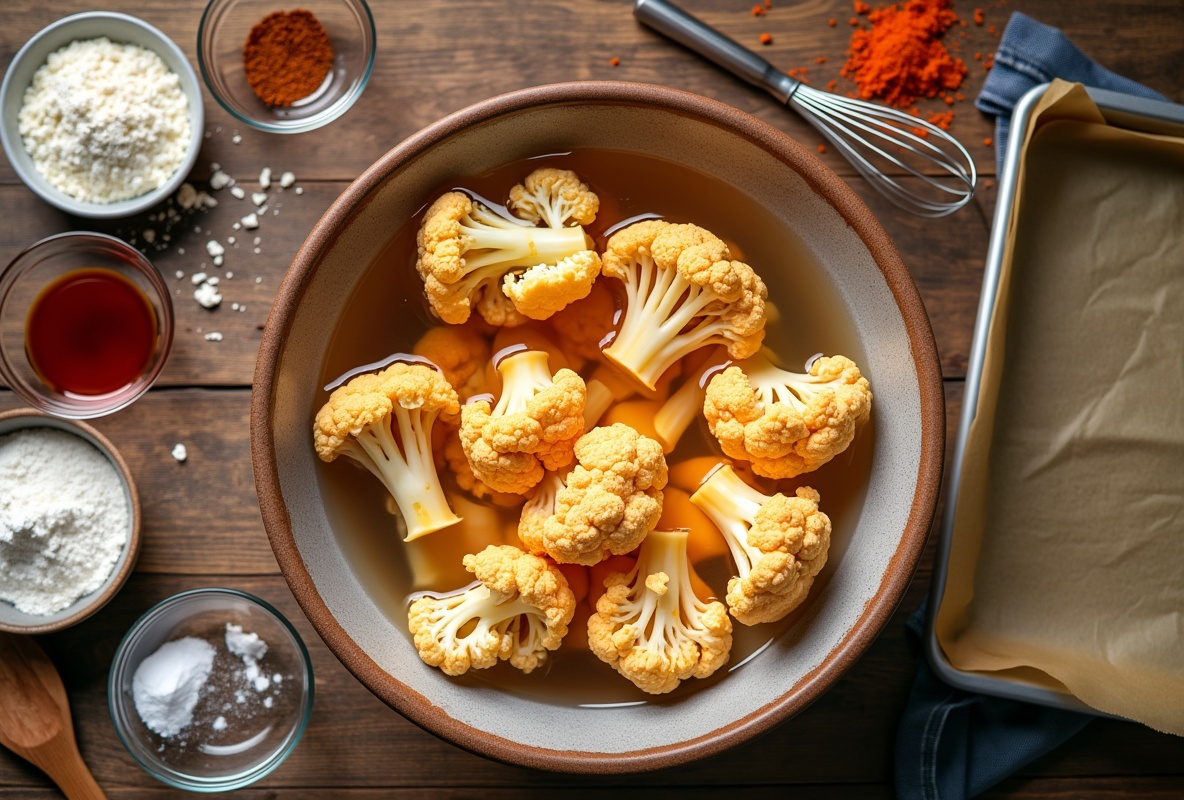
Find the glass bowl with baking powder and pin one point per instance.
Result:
(64, 127)
(223, 33)
(69, 522)
(210, 690)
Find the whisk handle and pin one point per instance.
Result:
(670, 20)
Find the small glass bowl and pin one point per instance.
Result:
(252, 739)
(223, 31)
(22, 282)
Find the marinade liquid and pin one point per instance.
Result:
(387, 314)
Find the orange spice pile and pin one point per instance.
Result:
(901, 57)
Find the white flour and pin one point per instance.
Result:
(104, 121)
(168, 684)
(64, 519)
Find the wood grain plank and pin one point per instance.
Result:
(200, 516)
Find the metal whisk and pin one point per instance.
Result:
(876, 140)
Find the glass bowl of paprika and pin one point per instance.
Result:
(286, 71)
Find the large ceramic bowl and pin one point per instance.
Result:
(854, 262)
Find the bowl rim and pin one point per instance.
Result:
(320, 120)
(120, 208)
(876, 613)
(265, 767)
(132, 552)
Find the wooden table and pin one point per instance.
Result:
(201, 520)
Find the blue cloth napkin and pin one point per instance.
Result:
(953, 744)
(1031, 53)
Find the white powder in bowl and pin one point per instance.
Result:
(64, 519)
(168, 684)
(105, 122)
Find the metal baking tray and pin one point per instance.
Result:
(1120, 110)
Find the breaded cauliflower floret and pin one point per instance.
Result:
(518, 612)
(787, 423)
(682, 292)
(384, 422)
(650, 625)
(611, 499)
(779, 544)
(534, 425)
(508, 267)
(461, 354)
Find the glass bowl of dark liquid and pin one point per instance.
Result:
(86, 324)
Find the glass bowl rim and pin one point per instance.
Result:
(194, 784)
(318, 120)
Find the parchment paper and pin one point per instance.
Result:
(1067, 554)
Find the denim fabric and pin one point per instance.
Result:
(1031, 53)
(953, 744)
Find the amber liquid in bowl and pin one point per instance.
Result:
(90, 332)
(387, 314)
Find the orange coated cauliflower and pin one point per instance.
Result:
(384, 422)
(787, 423)
(507, 266)
(682, 292)
(611, 499)
(534, 425)
(651, 627)
(461, 354)
(518, 613)
(779, 544)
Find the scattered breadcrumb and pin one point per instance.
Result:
(258, 198)
(238, 191)
(250, 221)
(214, 336)
(180, 452)
(287, 179)
(265, 178)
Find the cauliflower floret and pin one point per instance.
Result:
(779, 544)
(384, 422)
(517, 612)
(682, 292)
(461, 354)
(582, 326)
(611, 499)
(534, 425)
(650, 625)
(787, 423)
(536, 511)
(469, 255)
(454, 458)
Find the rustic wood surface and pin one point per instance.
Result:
(201, 520)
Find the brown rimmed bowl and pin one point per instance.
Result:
(12, 619)
(855, 257)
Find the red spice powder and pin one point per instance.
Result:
(862, 8)
(820, 60)
(854, 22)
(614, 61)
(759, 11)
(286, 57)
(832, 22)
(978, 16)
(821, 148)
(988, 142)
(766, 38)
(942, 119)
(902, 58)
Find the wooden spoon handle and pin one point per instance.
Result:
(71, 775)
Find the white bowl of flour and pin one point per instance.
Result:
(101, 115)
(69, 522)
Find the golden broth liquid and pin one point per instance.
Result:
(388, 313)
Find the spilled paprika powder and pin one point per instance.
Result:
(901, 58)
(286, 57)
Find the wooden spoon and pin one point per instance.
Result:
(35, 717)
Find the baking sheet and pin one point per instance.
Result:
(1067, 553)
